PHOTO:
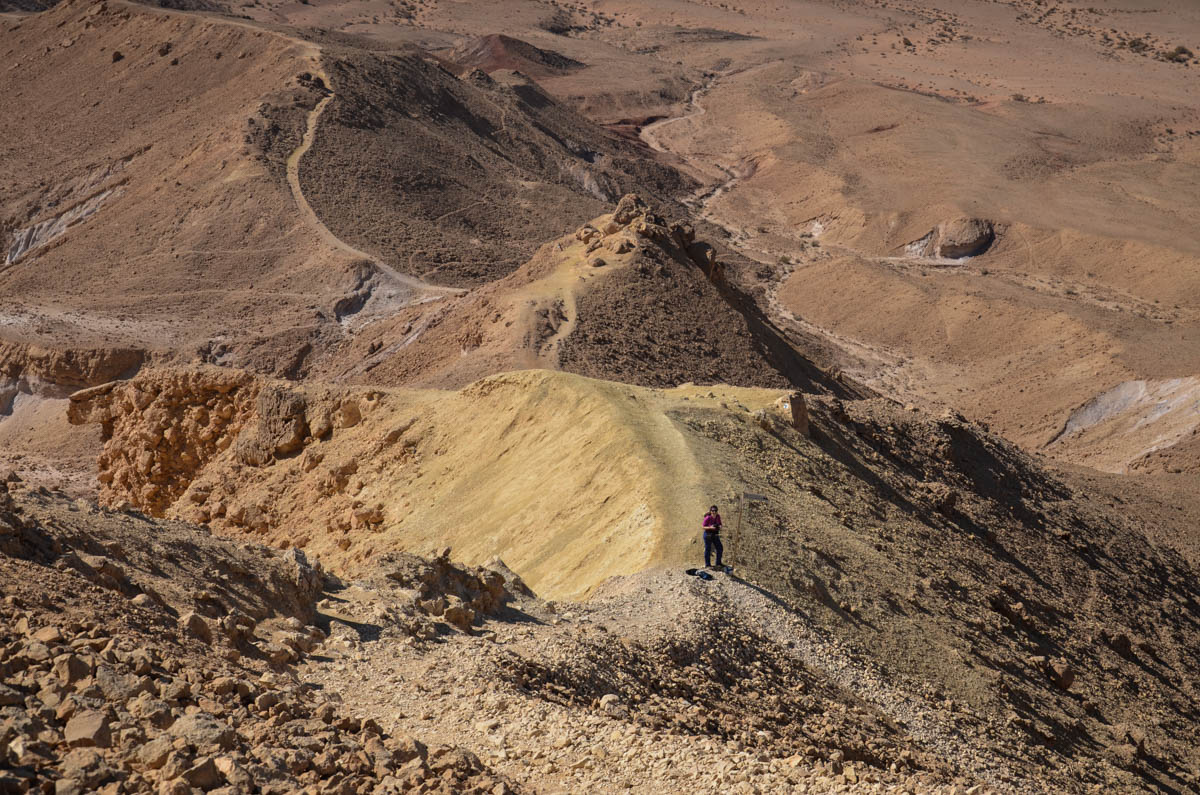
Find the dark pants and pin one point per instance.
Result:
(712, 541)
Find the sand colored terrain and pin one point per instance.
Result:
(922, 540)
(524, 285)
(201, 118)
(827, 167)
(568, 479)
(859, 128)
(631, 296)
(226, 216)
(827, 140)
(831, 138)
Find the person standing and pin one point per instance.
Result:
(712, 537)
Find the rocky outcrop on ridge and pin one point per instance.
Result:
(120, 676)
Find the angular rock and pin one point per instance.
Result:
(1062, 675)
(628, 208)
(459, 615)
(197, 626)
(204, 731)
(10, 696)
(964, 237)
(153, 754)
(204, 774)
(795, 411)
(48, 635)
(88, 729)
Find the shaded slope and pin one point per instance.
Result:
(146, 656)
(525, 167)
(631, 296)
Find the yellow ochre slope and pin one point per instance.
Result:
(568, 479)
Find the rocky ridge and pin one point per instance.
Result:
(1041, 618)
(617, 299)
(109, 686)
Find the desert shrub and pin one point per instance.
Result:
(1180, 54)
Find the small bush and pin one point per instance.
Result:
(1180, 54)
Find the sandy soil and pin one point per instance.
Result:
(960, 565)
(352, 278)
(826, 139)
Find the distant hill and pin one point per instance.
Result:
(495, 52)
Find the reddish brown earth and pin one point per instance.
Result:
(349, 281)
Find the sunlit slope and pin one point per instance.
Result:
(570, 480)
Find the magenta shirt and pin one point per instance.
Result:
(711, 522)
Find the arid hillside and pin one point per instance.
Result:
(243, 196)
(631, 296)
(527, 168)
(366, 369)
(146, 160)
(1045, 616)
(834, 140)
(1068, 135)
(823, 150)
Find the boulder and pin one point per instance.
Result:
(702, 254)
(235, 774)
(197, 626)
(1062, 675)
(621, 245)
(795, 411)
(683, 234)
(964, 237)
(281, 429)
(1119, 642)
(115, 685)
(434, 607)
(84, 768)
(48, 635)
(628, 208)
(204, 731)
(88, 729)
(309, 579)
(764, 420)
(70, 668)
(277, 653)
(405, 748)
(458, 614)
(204, 774)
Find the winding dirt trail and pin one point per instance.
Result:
(310, 215)
(386, 289)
